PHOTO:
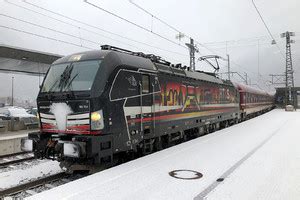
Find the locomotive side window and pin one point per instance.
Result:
(125, 85)
(145, 84)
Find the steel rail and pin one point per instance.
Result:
(33, 184)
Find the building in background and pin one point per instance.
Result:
(19, 60)
(280, 96)
(23, 61)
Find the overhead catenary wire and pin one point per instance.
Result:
(47, 28)
(64, 22)
(63, 41)
(92, 26)
(240, 45)
(176, 30)
(43, 36)
(152, 15)
(128, 21)
(134, 24)
(241, 40)
(167, 24)
(271, 35)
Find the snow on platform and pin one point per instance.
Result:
(16, 134)
(257, 159)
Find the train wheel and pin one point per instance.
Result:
(165, 141)
(157, 145)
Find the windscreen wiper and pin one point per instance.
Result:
(70, 82)
(65, 77)
(69, 86)
(62, 78)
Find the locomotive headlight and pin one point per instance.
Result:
(95, 116)
(97, 120)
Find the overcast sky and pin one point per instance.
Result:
(210, 23)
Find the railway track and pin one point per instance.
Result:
(13, 154)
(6, 161)
(29, 186)
(36, 186)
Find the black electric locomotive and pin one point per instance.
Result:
(98, 107)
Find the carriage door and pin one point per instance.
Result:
(147, 105)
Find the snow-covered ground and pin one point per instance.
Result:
(257, 159)
(26, 172)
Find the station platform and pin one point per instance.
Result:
(256, 159)
(10, 142)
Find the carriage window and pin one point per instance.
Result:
(145, 84)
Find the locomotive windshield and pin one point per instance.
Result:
(73, 76)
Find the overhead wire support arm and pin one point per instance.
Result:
(193, 49)
(277, 79)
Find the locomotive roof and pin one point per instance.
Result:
(112, 59)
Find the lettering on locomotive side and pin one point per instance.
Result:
(188, 96)
(83, 106)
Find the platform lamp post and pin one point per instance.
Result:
(12, 91)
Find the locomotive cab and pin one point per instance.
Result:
(80, 107)
(70, 109)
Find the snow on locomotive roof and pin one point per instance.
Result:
(87, 55)
(110, 56)
(203, 76)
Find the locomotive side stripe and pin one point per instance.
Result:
(49, 121)
(182, 115)
(79, 116)
(84, 121)
(136, 110)
(47, 116)
(81, 129)
(87, 132)
(219, 105)
(256, 104)
(250, 110)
